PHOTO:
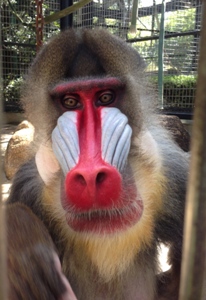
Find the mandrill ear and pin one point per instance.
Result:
(46, 162)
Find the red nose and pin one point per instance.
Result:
(93, 187)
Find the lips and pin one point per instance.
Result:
(105, 221)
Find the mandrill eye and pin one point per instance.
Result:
(70, 102)
(106, 98)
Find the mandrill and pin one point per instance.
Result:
(106, 179)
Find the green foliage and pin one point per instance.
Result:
(180, 81)
(176, 18)
(179, 52)
(179, 91)
(12, 94)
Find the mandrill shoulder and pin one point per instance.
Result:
(27, 187)
(175, 167)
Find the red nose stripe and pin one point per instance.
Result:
(92, 183)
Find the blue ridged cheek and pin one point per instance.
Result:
(65, 141)
(116, 137)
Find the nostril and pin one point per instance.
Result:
(85, 179)
(100, 177)
(80, 178)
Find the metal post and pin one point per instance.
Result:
(161, 55)
(3, 268)
(193, 275)
(39, 24)
(67, 21)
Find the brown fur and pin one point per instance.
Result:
(29, 241)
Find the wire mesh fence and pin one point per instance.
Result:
(112, 15)
(19, 44)
(181, 40)
(181, 47)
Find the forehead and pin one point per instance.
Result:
(86, 85)
(85, 63)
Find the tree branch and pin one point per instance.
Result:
(65, 12)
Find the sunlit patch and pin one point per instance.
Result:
(46, 162)
(163, 258)
(5, 190)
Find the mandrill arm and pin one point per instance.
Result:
(34, 270)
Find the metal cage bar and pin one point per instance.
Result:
(193, 274)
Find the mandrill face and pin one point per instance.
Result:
(96, 138)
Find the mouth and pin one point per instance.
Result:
(105, 220)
